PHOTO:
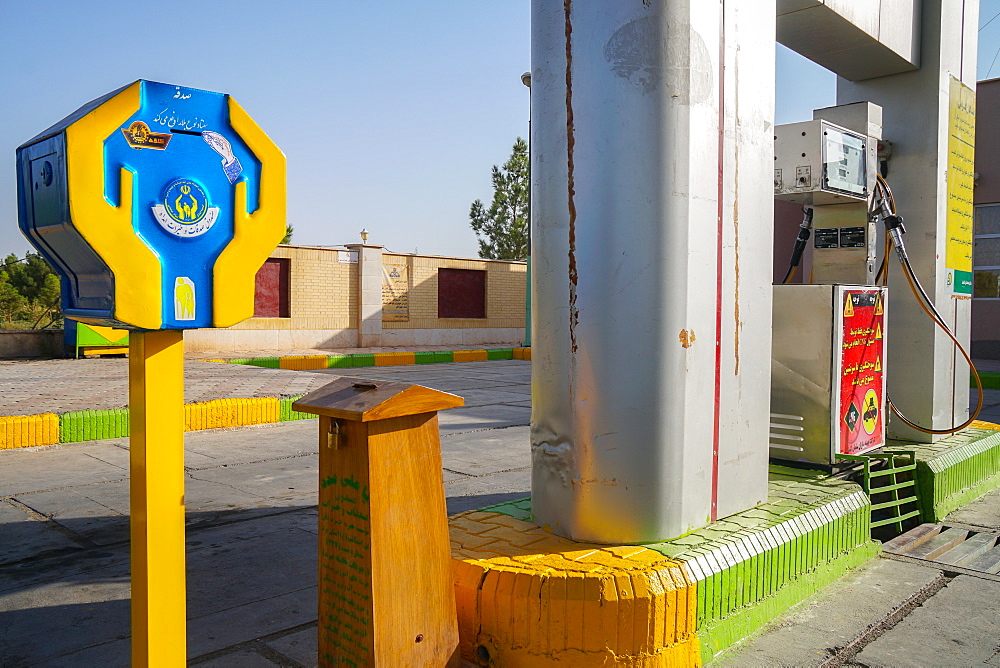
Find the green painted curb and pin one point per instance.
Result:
(285, 412)
(354, 360)
(719, 635)
(753, 566)
(955, 470)
(77, 426)
(424, 357)
(779, 472)
(362, 359)
(339, 362)
(519, 509)
(742, 560)
(989, 379)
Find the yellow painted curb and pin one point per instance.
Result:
(220, 413)
(529, 598)
(471, 356)
(522, 353)
(303, 362)
(103, 350)
(213, 360)
(25, 431)
(979, 424)
(394, 359)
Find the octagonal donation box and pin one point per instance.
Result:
(157, 204)
(386, 593)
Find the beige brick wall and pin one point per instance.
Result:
(505, 291)
(324, 292)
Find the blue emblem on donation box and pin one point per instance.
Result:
(148, 202)
(185, 211)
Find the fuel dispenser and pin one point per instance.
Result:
(828, 356)
(828, 375)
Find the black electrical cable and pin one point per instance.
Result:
(894, 227)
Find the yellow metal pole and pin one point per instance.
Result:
(156, 496)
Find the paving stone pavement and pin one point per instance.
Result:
(892, 613)
(252, 540)
(30, 387)
(251, 525)
(61, 385)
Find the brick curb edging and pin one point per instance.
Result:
(357, 360)
(956, 469)
(25, 431)
(690, 597)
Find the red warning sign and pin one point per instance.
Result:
(862, 423)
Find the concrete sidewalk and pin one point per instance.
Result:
(30, 387)
(251, 501)
(62, 385)
(67, 401)
(892, 613)
(252, 542)
(264, 352)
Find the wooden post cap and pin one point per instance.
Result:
(367, 400)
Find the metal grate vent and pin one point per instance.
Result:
(786, 432)
(949, 546)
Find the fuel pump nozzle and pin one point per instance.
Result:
(801, 240)
(893, 222)
(894, 226)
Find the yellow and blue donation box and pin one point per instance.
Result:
(157, 204)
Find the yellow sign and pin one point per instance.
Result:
(138, 135)
(849, 307)
(869, 418)
(961, 170)
(878, 331)
(395, 293)
(878, 305)
(184, 299)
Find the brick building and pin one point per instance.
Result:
(986, 231)
(361, 295)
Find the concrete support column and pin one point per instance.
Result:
(652, 213)
(929, 380)
(369, 294)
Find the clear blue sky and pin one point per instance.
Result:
(391, 113)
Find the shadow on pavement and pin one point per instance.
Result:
(251, 574)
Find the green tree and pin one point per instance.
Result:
(47, 306)
(287, 239)
(29, 291)
(28, 275)
(12, 304)
(502, 229)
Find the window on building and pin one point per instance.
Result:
(986, 253)
(461, 293)
(271, 297)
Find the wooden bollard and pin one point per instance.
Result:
(386, 593)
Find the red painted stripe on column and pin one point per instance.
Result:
(718, 266)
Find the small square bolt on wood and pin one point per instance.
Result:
(386, 594)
